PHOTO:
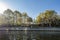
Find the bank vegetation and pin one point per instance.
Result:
(48, 18)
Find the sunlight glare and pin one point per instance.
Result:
(3, 7)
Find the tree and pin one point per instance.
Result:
(9, 15)
(2, 19)
(24, 14)
(38, 19)
(17, 17)
(26, 18)
(46, 17)
(29, 19)
(50, 15)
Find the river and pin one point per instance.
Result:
(29, 33)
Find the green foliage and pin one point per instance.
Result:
(38, 19)
(9, 16)
(17, 13)
(24, 14)
(49, 17)
(16, 18)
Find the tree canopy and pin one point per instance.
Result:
(49, 17)
(16, 17)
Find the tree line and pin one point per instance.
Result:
(46, 18)
(49, 18)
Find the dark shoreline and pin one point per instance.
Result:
(39, 25)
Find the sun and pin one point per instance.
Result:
(3, 7)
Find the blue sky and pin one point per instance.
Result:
(33, 7)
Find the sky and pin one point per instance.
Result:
(32, 7)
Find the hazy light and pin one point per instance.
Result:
(3, 7)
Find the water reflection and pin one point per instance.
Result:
(31, 34)
(34, 35)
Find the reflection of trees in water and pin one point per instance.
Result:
(37, 36)
(48, 37)
(31, 35)
(3, 35)
(19, 37)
